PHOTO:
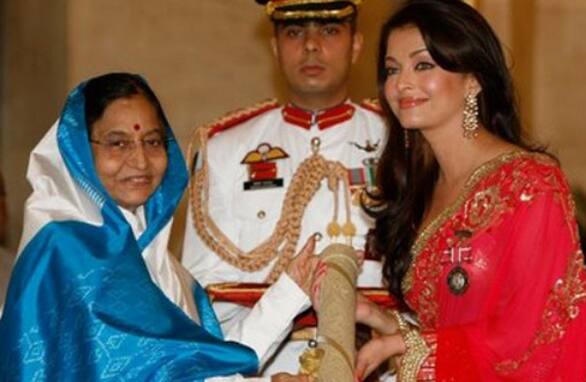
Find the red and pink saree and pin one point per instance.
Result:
(498, 281)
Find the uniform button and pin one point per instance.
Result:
(261, 214)
(315, 144)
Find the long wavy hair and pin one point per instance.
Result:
(459, 40)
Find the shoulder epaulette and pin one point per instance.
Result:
(372, 104)
(239, 116)
(223, 123)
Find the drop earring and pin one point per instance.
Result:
(470, 123)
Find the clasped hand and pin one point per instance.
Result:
(308, 271)
(387, 342)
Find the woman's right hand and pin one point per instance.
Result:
(286, 377)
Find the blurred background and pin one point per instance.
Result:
(206, 57)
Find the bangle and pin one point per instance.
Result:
(416, 350)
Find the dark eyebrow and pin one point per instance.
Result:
(121, 133)
(116, 133)
(412, 54)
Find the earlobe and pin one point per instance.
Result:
(357, 42)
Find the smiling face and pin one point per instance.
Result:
(129, 151)
(316, 59)
(420, 93)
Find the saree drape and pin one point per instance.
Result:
(498, 280)
(81, 304)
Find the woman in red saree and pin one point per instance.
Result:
(477, 226)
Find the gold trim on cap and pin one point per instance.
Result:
(272, 9)
(325, 14)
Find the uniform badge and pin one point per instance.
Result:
(368, 146)
(262, 169)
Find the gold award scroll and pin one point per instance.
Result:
(336, 316)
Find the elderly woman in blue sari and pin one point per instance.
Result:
(94, 294)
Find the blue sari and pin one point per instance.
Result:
(81, 305)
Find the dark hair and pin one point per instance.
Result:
(459, 40)
(101, 91)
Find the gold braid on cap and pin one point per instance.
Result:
(275, 13)
(283, 241)
(325, 14)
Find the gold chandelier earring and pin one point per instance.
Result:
(470, 123)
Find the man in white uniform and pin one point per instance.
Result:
(241, 219)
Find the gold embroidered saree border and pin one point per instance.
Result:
(560, 310)
(473, 180)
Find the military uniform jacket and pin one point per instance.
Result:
(248, 216)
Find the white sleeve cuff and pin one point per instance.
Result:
(270, 320)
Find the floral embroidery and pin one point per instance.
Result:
(492, 191)
(561, 308)
(482, 206)
(481, 203)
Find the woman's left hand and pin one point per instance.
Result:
(375, 352)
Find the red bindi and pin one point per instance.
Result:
(136, 127)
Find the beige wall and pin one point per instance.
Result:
(204, 57)
(201, 57)
(547, 53)
(34, 69)
(559, 75)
